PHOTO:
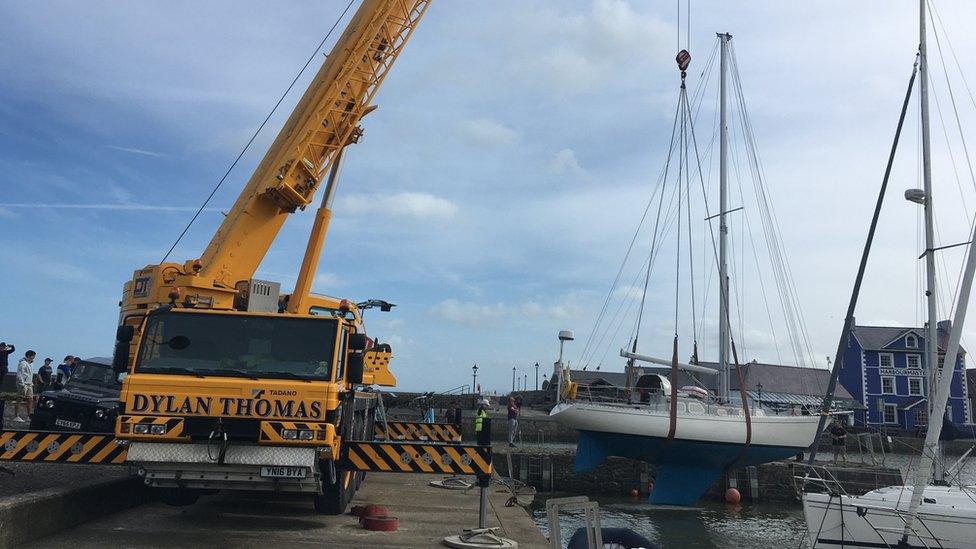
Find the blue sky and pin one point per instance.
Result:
(497, 186)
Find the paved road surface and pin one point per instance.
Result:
(242, 519)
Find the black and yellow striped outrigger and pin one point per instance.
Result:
(51, 447)
(416, 457)
(408, 430)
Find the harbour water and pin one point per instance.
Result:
(713, 524)
(707, 525)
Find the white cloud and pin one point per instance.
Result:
(326, 281)
(580, 52)
(406, 205)
(565, 162)
(133, 150)
(488, 132)
(7, 214)
(467, 313)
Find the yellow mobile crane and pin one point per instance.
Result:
(227, 383)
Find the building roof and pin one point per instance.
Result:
(876, 338)
(591, 377)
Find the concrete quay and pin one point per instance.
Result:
(243, 519)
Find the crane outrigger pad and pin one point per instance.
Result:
(416, 457)
(57, 447)
(408, 430)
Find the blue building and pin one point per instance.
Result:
(884, 368)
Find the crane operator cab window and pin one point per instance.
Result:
(238, 345)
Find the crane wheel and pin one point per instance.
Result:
(336, 497)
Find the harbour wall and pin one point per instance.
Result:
(771, 482)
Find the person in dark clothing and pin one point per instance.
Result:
(838, 439)
(5, 351)
(513, 414)
(44, 378)
(64, 370)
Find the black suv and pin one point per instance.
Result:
(88, 402)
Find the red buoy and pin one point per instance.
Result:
(363, 511)
(381, 524)
(732, 496)
(634, 492)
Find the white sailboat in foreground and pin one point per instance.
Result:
(927, 513)
(690, 436)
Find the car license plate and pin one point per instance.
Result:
(283, 472)
(68, 424)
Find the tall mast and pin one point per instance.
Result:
(723, 276)
(932, 332)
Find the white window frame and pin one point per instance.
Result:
(894, 385)
(911, 341)
(923, 413)
(921, 387)
(884, 414)
(918, 361)
(891, 358)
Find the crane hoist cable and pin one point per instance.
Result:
(257, 131)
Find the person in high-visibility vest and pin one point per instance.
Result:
(480, 416)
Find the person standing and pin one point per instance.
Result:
(43, 378)
(480, 415)
(25, 386)
(838, 440)
(5, 351)
(513, 414)
(64, 370)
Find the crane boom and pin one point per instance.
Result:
(323, 122)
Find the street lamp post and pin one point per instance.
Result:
(513, 379)
(564, 336)
(474, 378)
(525, 382)
(536, 376)
(759, 388)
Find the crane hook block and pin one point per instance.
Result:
(683, 59)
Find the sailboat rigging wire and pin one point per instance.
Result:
(793, 310)
(859, 278)
(952, 99)
(659, 187)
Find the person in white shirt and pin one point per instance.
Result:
(25, 386)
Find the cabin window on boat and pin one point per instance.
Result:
(887, 385)
(890, 413)
(911, 342)
(914, 361)
(915, 386)
(886, 360)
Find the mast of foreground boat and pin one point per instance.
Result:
(723, 275)
(940, 397)
(932, 330)
(852, 304)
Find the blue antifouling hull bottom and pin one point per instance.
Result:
(685, 468)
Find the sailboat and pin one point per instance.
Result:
(688, 434)
(928, 512)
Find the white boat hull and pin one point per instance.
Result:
(946, 518)
(796, 432)
(703, 445)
